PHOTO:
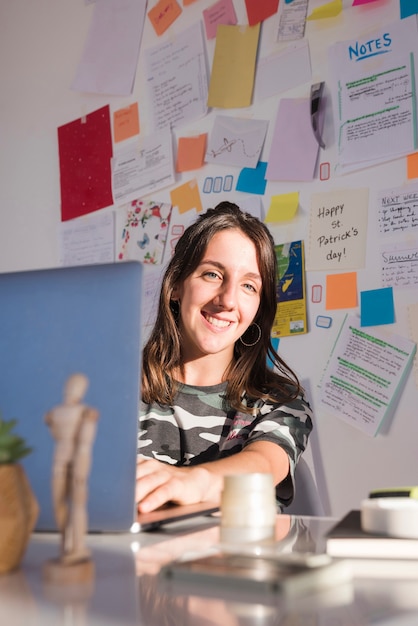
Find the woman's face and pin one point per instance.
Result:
(220, 299)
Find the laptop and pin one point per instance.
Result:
(53, 323)
(56, 322)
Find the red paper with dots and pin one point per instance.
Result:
(85, 152)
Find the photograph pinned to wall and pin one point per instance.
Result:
(142, 227)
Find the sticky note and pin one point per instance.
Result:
(186, 197)
(191, 152)
(252, 180)
(283, 207)
(377, 307)
(341, 291)
(330, 9)
(126, 123)
(412, 165)
(163, 14)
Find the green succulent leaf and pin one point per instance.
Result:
(12, 446)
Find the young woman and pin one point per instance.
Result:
(211, 405)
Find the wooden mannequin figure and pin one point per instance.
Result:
(73, 427)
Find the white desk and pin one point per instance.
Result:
(127, 590)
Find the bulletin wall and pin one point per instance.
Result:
(40, 47)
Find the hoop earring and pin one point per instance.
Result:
(249, 344)
(175, 308)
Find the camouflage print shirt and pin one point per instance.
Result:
(199, 428)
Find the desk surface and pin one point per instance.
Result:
(127, 590)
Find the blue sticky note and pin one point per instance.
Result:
(275, 343)
(408, 7)
(377, 307)
(252, 179)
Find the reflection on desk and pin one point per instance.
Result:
(128, 590)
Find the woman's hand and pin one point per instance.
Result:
(158, 483)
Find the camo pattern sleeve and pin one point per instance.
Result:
(200, 427)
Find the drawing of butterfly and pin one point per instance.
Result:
(145, 241)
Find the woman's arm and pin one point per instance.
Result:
(158, 483)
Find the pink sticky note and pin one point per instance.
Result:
(221, 12)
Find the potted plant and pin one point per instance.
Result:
(18, 506)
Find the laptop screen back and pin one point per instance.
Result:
(54, 323)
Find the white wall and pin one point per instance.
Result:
(40, 45)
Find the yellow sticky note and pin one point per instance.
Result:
(233, 67)
(126, 122)
(163, 14)
(341, 291)
(412, 165)
(191, 152)
(283, 207)
(330, 9)
(186, 197)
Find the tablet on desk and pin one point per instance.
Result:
(171, 513)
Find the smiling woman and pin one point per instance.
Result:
(211, 406)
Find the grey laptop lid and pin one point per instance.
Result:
(59, 321)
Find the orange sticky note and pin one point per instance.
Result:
(412, 165)
(163, 14)
(126, 122)
(186, 197)
(191, 153)
(341, 291)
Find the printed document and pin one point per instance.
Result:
(365, 370)
(375, 78)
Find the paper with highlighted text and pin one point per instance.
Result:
(364, 374)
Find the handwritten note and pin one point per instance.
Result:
(398, 210)
(126, 123)
(338, 229)
(363, 374)
(399, 264)
(177, 79)
(375, 76)
(163, 14)
(88, 240)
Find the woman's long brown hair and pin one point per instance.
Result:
(249, 372)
